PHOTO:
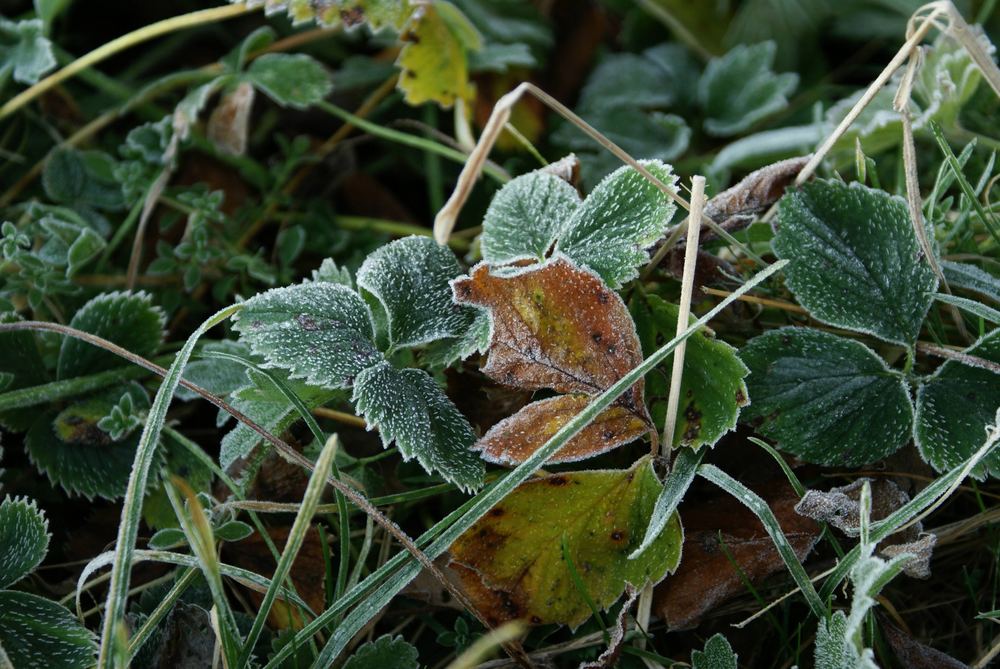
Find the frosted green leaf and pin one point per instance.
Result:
(130, 320)
(410, 278)
(385, 652)
(620, 219)
(718, 654)
(828, 400)
(712, 388)
(320, 332)
(740, 88)
(832, 649)
(408, 407)
(970, 277)
(955, 405)
(68, 244)
(855, 260)
(25, 52)
(330, 272)
(525, 216)
(947, 77)
(216, 375)
(22, 361)
(291, 80)
(476, 339)
(24, 539)
(37, 632)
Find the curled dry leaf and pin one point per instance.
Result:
(913, 654)
(609, 658)
(556, 325)
(229, 123)
(738, 206)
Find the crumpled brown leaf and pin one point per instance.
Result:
(738, 206)
(914, 655)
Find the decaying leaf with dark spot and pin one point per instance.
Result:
(721, 525)
(511, 563)
(738, 206)
(556, 325)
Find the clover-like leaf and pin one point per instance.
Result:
(320, 332)
(434, 59)
(24, 539)
(955, 405)
(713, 389)
(718, 654)
(825, 399)
(291, 80)
(409, 408)
(382, 653)
(740, 88)
(855, 259)
(511, 562)
(130, 320)
(25, 52)
(410, 279)
(556, 325)
(37, 632)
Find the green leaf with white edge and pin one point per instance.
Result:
(718, 654)
(320, 332)
(713, 389)
(233, 530)
(409, 408)
(68, 243)
(130, 320)
(825, 399)
(76, 454)
(740, 88)
(979, 309)
(855, 259)
(970, 277)
(410, 279)
(525, 217)
(85, 178)
(954, 407)
(24, 539)
(25, 52)
(37, 632)
(832, 651)
(441, 354)
(330, 272)
(168, 537)
(620, 219)
(292, 80)
(216, 375)
(385, 652)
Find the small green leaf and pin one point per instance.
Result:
(740, 88)
(291, 80)
(434, 59)
(855, 260)
(24, 539)
(85, 178)
(954, 406)
(712, 388)
(127, 319)
(329, 272)
(410, 278)
(620, 219)
(320, 332)
(970, 277)
(37, 632)
(718, 654)
(166, 538)
(525, 217)
(234, 530)
(825, 399)
(408, 407)
(25, 52)
(385, 652)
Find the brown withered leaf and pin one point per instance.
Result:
(609, 658)
(707, 577)
(555, 325)
(229, 123)
(914, 655)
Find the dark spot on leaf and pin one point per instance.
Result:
(306, 322)
(602, 297)
(557, 481)
(617, 535)
(410, 36)
(409, 74)
(535, 620)
(608, 435)
(497, 512)
(786, 340)
(352, 16)
(741, 398)
(256, 324)
(596, 336)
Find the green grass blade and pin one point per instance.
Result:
(676, 484)
(973, 307)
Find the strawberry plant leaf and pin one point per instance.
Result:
(740, 88)
(410, 279)
(435, 56)
(409, 408)
(37, 632)
(320, 332)
(291, 80)
(713, 389)
(855, 260)
(825, 399)
(954, 406)
(22, 363)
(24, 539)
(622, 217)
(25, 52)
(385, 651)
(130, 320)
(718, 654)
(511, 561)
(525, 217)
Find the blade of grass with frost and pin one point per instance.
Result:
(970, 193)
(296, 536)
(766, 516)
(973, 307)
(317, 432)
(491, 496)
(793, 480)
(199, 535)
(674, 486)
(923, 503)
(128, 528)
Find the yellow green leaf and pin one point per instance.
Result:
(434, 60)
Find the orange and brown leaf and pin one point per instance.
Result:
(556, 325)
